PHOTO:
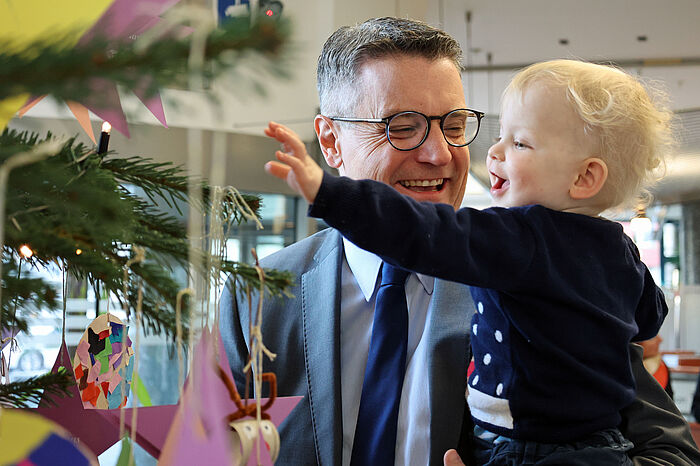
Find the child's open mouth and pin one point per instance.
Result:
(498, 183)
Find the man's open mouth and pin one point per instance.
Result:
(423, 185)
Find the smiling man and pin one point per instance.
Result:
(392, 110)
(434, 171)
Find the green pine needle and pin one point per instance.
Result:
(29, 392)
(49, 66)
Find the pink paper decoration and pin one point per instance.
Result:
(122, 19)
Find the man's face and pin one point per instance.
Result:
(435, 171)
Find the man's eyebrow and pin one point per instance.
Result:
(393, 111)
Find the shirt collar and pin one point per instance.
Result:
(365, 268)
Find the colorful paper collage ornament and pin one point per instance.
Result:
(103, 363)
(30, 440)
(98, 429)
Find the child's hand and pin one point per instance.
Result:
(299, 170)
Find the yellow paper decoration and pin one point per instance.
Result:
(9, 107)
(23, 21)
(19, 433)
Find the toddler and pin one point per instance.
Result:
(559, 290)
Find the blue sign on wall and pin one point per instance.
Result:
(232, 8)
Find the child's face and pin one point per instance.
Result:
(540, 150)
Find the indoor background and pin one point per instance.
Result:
(655, 40)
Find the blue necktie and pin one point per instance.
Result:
(375, 433)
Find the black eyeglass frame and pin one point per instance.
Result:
(428, 119)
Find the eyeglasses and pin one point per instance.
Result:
(408, 130)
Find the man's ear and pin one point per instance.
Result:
(590, 180)
(327, 135)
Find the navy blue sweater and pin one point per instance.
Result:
(559, 296)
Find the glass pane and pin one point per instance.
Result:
(406, 130)
(278, 217)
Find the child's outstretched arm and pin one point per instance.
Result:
(295, 166)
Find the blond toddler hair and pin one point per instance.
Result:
(631, 122)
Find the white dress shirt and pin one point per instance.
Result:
(359, 283)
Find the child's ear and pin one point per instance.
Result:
(328, 140)
(590, 179)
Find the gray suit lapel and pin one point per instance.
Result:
(320, 295)
(450, 316)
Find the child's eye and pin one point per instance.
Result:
(497, 139)
(519, 145)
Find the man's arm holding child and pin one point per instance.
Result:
(660, 434)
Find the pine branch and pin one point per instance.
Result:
(72, 68)
(277, 282)
(158, 180)
(51, 206)
(29, 392)
(22, 294)
(169, 183)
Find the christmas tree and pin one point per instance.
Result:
(66, 204)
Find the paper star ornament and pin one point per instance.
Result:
(90, 426)
(30, 440)
(24, 21)
(123, 19)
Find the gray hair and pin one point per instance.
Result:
(348, 48)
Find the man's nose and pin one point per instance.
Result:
(434, 149)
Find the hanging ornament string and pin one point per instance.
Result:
(218, 229)
(178, 335)
(64, 296)
(217, 248)
(24, 252)
(257, 348)
(134, 409)
(243, 207)
(138, 257)
(203, 23)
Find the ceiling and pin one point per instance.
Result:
(516, 31)
(658, 41)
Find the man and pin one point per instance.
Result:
(322, 336)
(695, 408)
(655, 365)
